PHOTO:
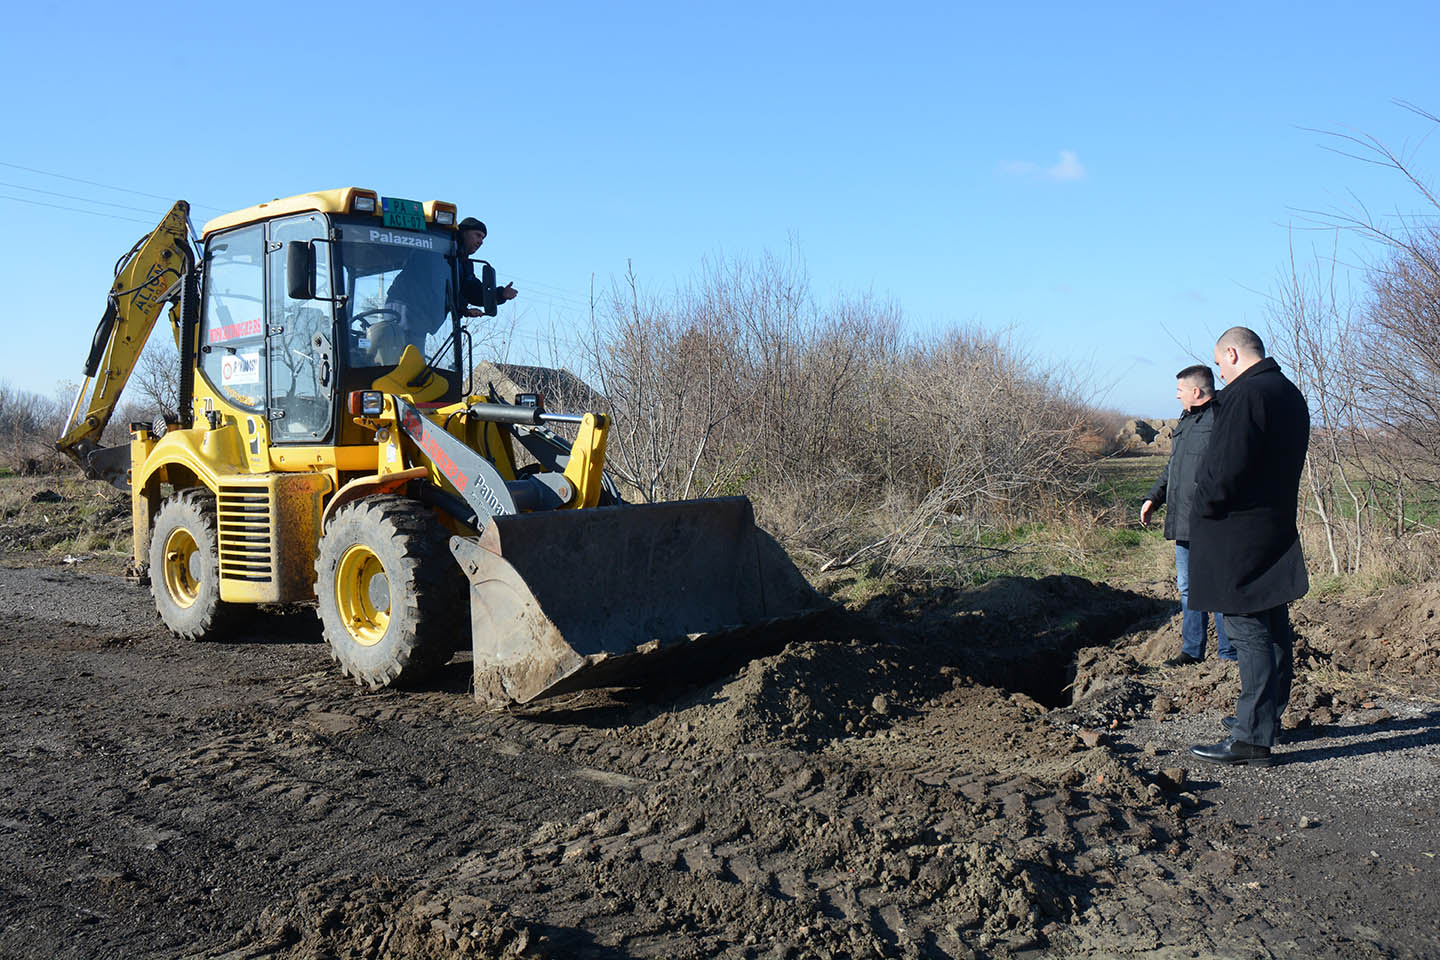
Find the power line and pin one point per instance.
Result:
(578, 300)
(67, 196)
(57, 206)
(96, 183)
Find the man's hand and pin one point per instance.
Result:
(1146, 508)
(507, 292)
(473, 312)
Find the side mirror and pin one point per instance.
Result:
(487, 280)
(300, 270)
(489, 306)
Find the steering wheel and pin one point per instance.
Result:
(361, 317)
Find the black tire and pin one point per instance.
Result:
(185, 568)
(388, 590)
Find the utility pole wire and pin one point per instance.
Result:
(96, 183)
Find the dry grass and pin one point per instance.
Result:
(62, 514)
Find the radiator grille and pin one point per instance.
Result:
(246, 526)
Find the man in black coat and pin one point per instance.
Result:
(1195, 389)
(472, 235)
(1245, 558)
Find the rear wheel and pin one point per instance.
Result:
(185, 567)
(387, 590)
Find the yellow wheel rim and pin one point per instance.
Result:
(362, 595)
(182, 579)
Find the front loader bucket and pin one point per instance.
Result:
(569, 599)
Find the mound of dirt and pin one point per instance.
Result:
(1349, 653)
(1396, 633)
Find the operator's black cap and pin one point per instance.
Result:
(470, 223)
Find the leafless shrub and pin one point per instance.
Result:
(29, 426)
(854, 442)
(1400, 362)
(982, 436)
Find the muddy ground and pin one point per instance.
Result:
(907, 780)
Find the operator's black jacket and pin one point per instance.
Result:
(1244, 545)
(1176, 485)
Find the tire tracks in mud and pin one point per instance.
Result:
(217, 797)
(841, 798)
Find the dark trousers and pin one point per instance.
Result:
(1266, 651)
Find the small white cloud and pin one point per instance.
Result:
(1067, 168)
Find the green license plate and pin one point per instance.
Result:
(403, 214)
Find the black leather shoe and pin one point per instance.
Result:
(1181, 660)
(1231, 751)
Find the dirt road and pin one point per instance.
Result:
(907, 782)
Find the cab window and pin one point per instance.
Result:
(232, 330)
(400, 291)
(301, 355)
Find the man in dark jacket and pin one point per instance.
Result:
(1245, 555)
(472, 235)
(420, 296)
(1195, 389)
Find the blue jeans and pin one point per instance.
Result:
(1193, 623)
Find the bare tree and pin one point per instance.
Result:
(1400, 359)
(1312, 332)
(155, 384)
(1369, 365)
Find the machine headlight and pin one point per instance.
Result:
(363, 205)
(446, 218)
(367, 403)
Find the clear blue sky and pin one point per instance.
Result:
(1086, 175)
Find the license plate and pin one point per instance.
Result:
(403, 214)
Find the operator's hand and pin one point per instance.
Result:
(1146, 508)
(507, 292)
(473, 312)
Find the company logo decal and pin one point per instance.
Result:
(415, 426)
(402, 239)
(232, 331)
(238, 368)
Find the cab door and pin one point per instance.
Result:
(300, 339)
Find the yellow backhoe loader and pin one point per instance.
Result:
(328, 448)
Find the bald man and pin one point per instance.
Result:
(1245, 559)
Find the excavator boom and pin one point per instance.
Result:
(152, 274)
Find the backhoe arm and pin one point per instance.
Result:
(153, 274)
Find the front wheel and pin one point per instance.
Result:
(387, 590)
(185, 567)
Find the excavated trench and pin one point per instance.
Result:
(1048, 675)
(1024, 636)
(1019, 636)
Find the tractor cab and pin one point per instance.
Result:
(300, 309)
